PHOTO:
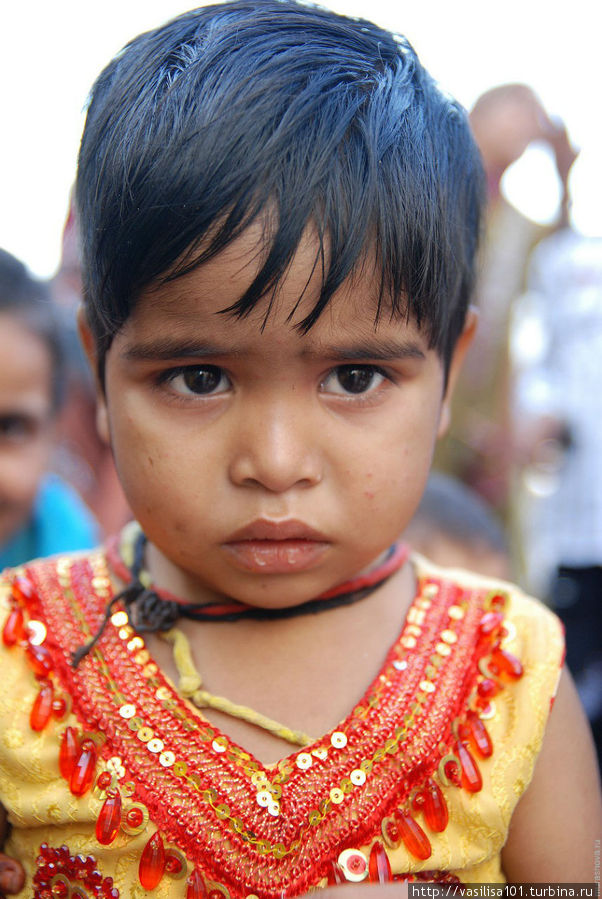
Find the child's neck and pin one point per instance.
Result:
(306, 672)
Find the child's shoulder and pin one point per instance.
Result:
(531, 632)
(516, 604)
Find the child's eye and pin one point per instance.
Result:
(16, 428)
(353, 379)
(200, 380)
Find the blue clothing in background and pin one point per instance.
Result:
(60, 522)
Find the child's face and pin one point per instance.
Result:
(25, 421)
(221, 428)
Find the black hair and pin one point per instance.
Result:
(271, 106)
(29, 301)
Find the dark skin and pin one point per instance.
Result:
(12, 875)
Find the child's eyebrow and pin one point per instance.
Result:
(377, 350)
(381, 350)
(168, 348)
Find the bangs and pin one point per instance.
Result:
(235, 112)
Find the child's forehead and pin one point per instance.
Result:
(201, 298)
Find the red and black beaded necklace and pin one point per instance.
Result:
(151, 609)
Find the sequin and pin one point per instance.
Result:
(145, 734)
(127, 711)
(155, 745)
(36, 632)
(427, 685)
(263, 798)
(408, 642)
(119, 619)
(456, 613)
(304, 761)
(175, 863)
(357, 777)
(273, 809)
(400, 664)
(338, 739)
(449, 636)
(167, 759)
(488, 712)
(353, 865)
(135, 643)
(416, 616)
(336, 795)
(442, 649)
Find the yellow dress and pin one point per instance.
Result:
(360, 803)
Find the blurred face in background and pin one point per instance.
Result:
(26, 421)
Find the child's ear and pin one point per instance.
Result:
(89, 345)
(457, 360)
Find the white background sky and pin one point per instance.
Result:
(51, 51)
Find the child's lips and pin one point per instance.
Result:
(276, 547)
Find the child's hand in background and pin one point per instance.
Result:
(12, 876)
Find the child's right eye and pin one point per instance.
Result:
(197, 380)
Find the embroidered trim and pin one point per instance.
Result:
(271, 828)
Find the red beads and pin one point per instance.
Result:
(68, 752)
(82, 774)
(152, 862)
(59, 707)
(134, 817)
(60, 874)
(379, 867)
(109, 819)
(41, 709)
(488, 688)
(391, 832)
(14, 627)
(479, 735)
(22, 589)
(471, 776)
(103, 781)
(334, 875)
(414, 838)
(507, 663)
(436, 813)
(491, 622)
(195, 886)
(39, 660)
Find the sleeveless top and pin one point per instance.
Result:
(116, 786)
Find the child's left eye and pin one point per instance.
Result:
(349, 380)
(197, 380)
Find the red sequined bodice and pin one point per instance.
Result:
(214, 812)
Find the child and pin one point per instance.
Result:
(279, 215)
(39, 513)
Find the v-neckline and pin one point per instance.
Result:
(206, 792)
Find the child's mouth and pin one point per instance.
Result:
(276, 547)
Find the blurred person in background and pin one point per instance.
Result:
(81, 456)
(40, 514)
(505, 121)
(556, 354)
(456, 528)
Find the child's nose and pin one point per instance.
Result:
(277, 451)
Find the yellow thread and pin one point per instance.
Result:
(190, 686)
